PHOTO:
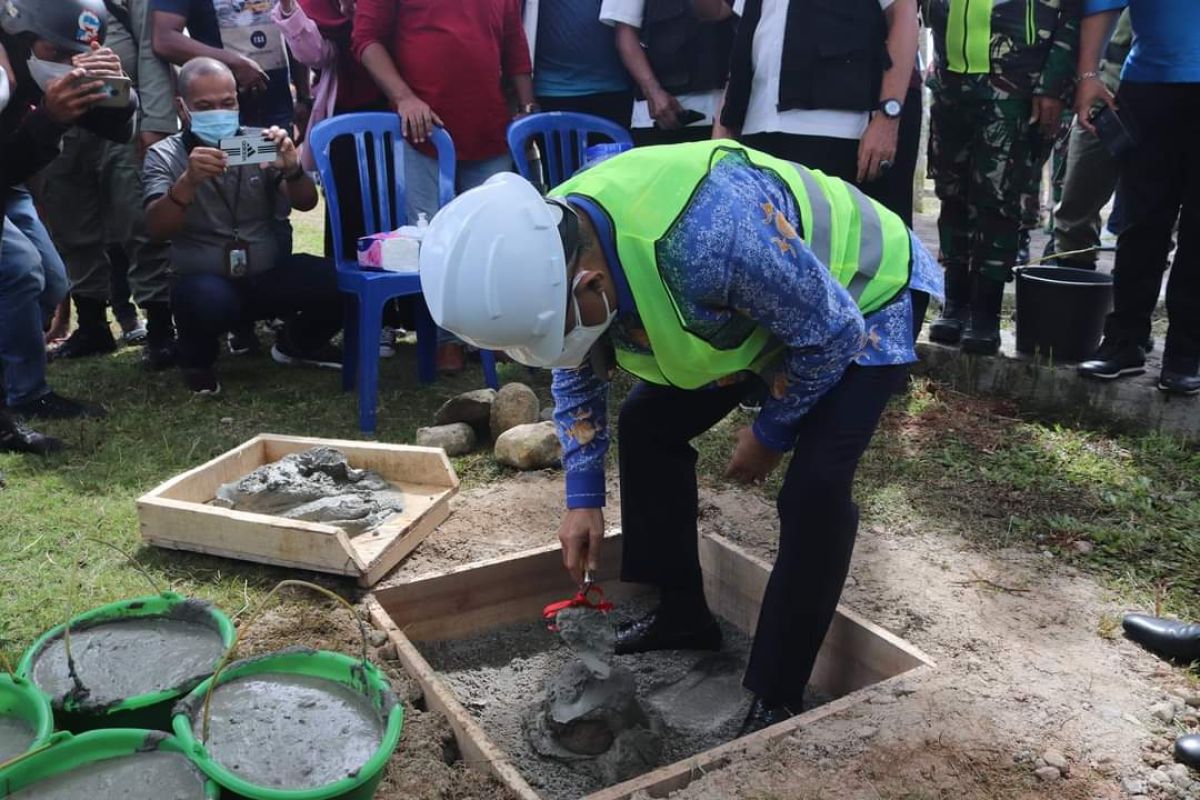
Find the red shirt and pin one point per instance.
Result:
(453, 55)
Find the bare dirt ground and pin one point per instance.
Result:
(1028, 661)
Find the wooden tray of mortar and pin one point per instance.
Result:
(857, 659)
(176, 514)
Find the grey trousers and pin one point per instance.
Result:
(1089, 182)
(92, 198)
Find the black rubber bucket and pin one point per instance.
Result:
(1060, 311)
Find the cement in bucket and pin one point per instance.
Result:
(1061, 311)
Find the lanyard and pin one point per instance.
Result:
(237, 200)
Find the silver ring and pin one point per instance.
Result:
(885, 165)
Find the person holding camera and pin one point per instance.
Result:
(231, 241)
(1158, 104)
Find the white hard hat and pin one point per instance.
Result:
(494, 269)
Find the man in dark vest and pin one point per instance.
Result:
(709, 271)
(677, 52)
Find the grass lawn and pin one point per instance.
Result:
(941, 461)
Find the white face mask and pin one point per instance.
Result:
(5, 90)
(45, 73)
(578, 343)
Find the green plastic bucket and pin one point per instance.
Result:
(65, 753)
(358, 676)
(21, 700)
(147, 711)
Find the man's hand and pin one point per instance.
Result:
(249, 75)
(1047, 114)
(581, 534)
(877, 145)
(752, 460)
(71, 96)
(416, 118)
(100, 62)
(665, 109)
(1088, 93)
(205, 163)
(287, 159)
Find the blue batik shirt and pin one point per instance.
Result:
(735, 252)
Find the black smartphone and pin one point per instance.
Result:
(1112, 132)
(687, 117)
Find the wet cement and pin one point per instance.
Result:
(15, 737)
(290, 731)
(694, 701)
(126, 658)
(141, 776)
(317, 485)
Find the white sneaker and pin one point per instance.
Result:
(136, 334)
(387, 342)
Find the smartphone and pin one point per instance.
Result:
(242, 150)
(1112, 132)
(116, 90)
(687, 117)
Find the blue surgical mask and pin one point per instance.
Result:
(211, 127)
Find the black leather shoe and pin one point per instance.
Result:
(1166, 637)
(1187, 750)
(764, 715)
(1179, 382)
(17, 437)
(1114, 360)
(657, 631)
(86, 342)
(55, 406)
(158, 355)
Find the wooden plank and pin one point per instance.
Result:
(477, 749)
(179, 525)
(199, 485)
(466, 600)
(394, 543)
(673, 777)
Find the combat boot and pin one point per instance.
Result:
(948, 327)
(982, 334)
(92, 337)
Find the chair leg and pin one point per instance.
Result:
(489, 368)
(370, 322)
(350, 344)
(427, 336)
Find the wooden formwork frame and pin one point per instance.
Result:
(464, 601)
(176, 514)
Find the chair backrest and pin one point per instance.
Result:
(565, 139)
(380, 151)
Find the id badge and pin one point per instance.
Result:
(237, 259)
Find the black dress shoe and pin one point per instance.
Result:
(1187, 750)
(84, 342)
(55, 406)
(659, 631)
(1179, 382)
(1114, 360)
(1175, 640)
(764, 715)
(17, 437)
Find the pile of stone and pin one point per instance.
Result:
(523, 435)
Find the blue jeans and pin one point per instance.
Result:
(33, 281)
(421, 187)
(302, 290)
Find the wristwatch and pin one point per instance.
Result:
(891, 108)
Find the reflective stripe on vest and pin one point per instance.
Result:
(646, 191)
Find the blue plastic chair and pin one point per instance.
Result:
(565, 136)
(383, 203)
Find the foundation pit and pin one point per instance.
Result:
(141, 776)
(285, 731)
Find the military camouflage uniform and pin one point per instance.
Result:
(993, 57)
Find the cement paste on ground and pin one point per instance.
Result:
(317, 485)
(291, 731)
(695, 700)
(130, 657)
(142, 776)
(15, 737)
